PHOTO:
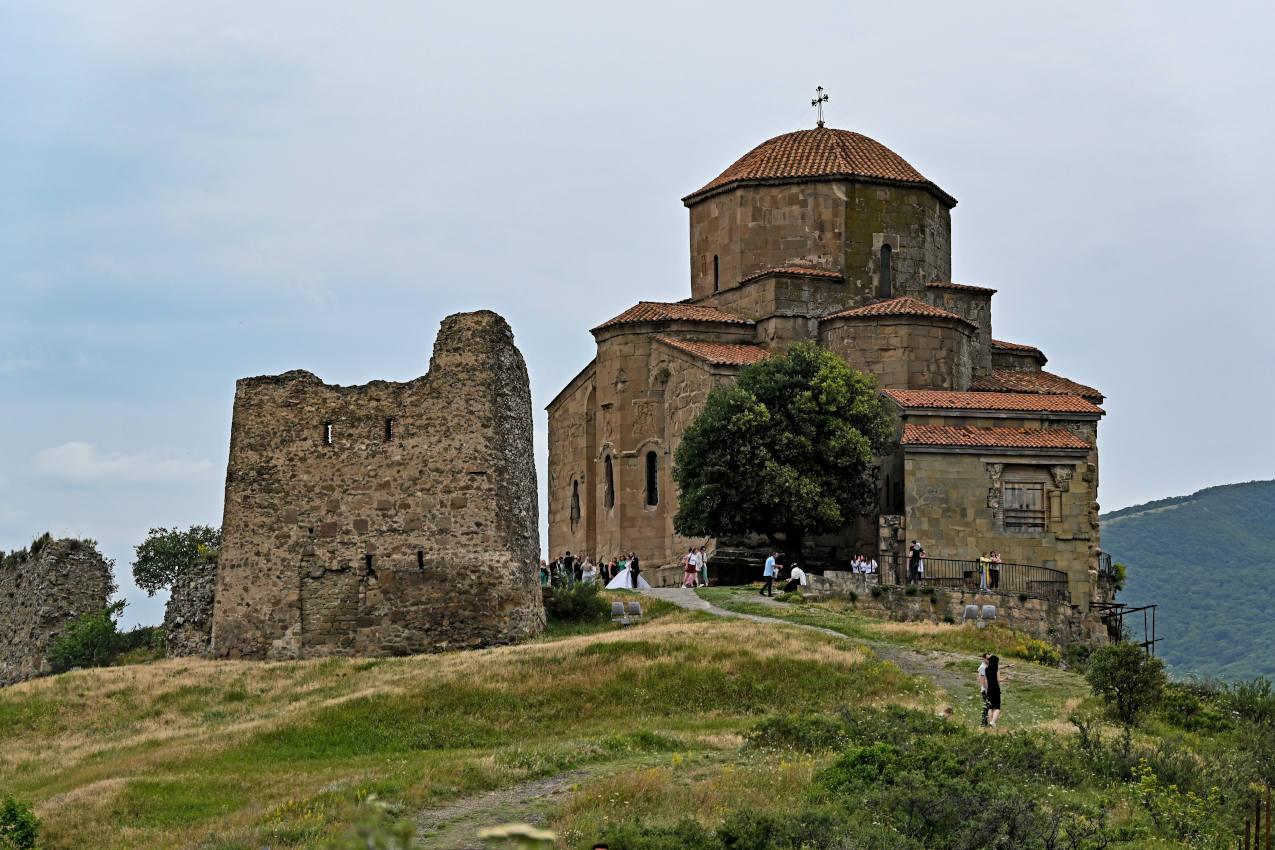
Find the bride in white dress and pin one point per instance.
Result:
(624, 580)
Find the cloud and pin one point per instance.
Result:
(80, 462)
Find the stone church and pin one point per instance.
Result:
(828, 235)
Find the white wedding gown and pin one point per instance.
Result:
(624, 581)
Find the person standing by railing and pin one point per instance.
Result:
(984, 565)
(994, 569)
(915, 554)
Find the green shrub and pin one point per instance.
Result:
(854, 597)
(1185, 710)
(877, 591)
(806, 732)
(91, 640)
(949, 619)
(911, 590)
(19, 827)
(1077, 655)
(1128, 679)
(1038, 652)
(794, 597)
(580, 604)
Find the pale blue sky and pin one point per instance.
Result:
(192, 194)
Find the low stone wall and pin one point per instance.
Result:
(40, 596)
(188, 615)
(1057, 622)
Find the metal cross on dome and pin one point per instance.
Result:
(821, 97)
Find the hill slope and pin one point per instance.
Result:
(1208, 561)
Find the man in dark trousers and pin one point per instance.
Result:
(915, 554)
(634, 569)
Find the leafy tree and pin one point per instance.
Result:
(784, 451)
(165, 554)
(1127, 678)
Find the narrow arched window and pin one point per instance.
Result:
(608, 484)
(886, 250)
(652, 479)
(575, 504)
(717, 280)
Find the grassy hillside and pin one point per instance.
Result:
(1208, 561)
(765, 734)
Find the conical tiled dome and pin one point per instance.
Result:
(819, 154)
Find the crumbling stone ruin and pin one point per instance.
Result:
(41, 591)
(383, 519)
(189, 612)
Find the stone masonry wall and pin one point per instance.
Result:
(904, 352)
(1056, 622)
(41, 596)
(383, 519)
(189, 612)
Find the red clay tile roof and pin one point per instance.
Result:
(991, 438)
(898, 307)
(796, 271)
(819, 154)
(1015, 348)
(725, 354)
(1010, 380)
(659, 311)
(1026, 402)
(959, 287)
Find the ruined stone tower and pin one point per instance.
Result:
(383, 519)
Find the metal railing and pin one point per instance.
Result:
(1039, 582)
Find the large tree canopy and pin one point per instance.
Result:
(786, 450)
(165, 554)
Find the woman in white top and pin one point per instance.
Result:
(588, 574)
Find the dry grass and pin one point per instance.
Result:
(163, 754)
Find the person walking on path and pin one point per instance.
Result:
(690, 568)
(982, 687)
(769, 575)
(701, 561)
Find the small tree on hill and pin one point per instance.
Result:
(1127, 678)
(165, 554)
(785, 451)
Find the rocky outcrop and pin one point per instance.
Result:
(189, 613)
(41, 592)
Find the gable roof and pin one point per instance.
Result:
(1011, 380)
(898, 307)
(819, 154)
(660, 311)
(718, 353)
(991, 438)
(998, 401)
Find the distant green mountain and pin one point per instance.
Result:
(1208, 561)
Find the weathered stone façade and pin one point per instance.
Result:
(40, 596)
(383, 519)
(827, 236)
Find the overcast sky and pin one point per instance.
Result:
(194, 193)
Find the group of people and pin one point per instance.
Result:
(863, 566)
(621, 571)
(796, 576)
(989, 570)
(695, 565)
